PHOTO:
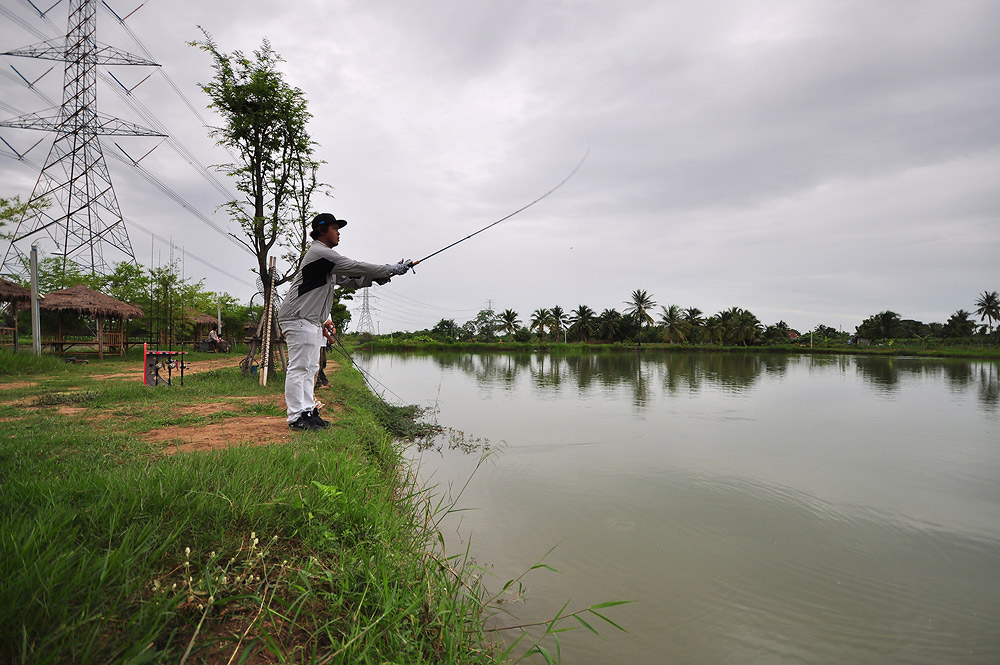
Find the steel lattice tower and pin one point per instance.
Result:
(365, 318)
(83, 218)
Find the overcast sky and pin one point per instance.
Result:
(811, 161)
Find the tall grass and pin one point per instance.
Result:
(112, 552)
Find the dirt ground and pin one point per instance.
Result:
(239, 430)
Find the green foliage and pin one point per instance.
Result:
(264, 125)
(14, 209)
(959, 325)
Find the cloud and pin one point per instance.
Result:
(813, 162)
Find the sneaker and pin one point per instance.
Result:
(304, 423)
(316, 419)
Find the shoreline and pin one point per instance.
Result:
(970, 353)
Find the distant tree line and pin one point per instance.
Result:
(641, 321)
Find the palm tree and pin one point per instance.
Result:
(989, 307)
(959, 325)
(558, 319)
(714, 330)
(778, 333)
(539, 321)
(674, 327)
(886, 324)
(727, 325)
(639, 306)
(609, 325)
(692, 317)
(509, 321)
(582, 323)
(748, 327)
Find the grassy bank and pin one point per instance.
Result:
(120, 544)
(894, 349)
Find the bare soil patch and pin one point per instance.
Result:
(15, 385)
(254, 431)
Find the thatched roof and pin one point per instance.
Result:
(196, 317)
(11, 292)
(81, 300)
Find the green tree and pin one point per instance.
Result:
(582, 323)
(881, 326)
(988, 307)
(539, 321)
(675, 328)
(14, 209)
(509, 321)
(695, 322)
(959, 325)
(609, 325)
(129, 283)
(446, 330)
(639, 305)
(58, 272)
(747, 328)
(779, 333)
(485, 325)
(264, 125)
(715, 331)
(558, 320)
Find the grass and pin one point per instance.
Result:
(311, 551)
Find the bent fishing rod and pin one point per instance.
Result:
(343, 350)
(506, 217)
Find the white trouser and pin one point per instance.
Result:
(304, 340)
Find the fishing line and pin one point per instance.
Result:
(366, 375)
(505, 218)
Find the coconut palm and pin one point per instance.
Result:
(582, 323)
(714, 330)
(959, 325)
(639, 306)
(539, 321)
(748, 327)
(692, 317)
(558, 320)
(509, 321)
(609, 325)
(989, 307)
(674, 327)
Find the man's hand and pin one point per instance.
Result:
(329, 330)
(401, 267)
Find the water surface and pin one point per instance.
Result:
(760, 508)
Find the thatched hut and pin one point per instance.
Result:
(12, 297)
(202, 323)
(87, 302)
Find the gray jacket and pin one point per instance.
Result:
(311, 294)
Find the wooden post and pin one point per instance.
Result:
(269, 323)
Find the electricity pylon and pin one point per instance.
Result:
(83, 217)
(365, 324)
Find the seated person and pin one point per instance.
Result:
(216, 341)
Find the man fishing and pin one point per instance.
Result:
(304, 316)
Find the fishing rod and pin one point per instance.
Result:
(505, 218)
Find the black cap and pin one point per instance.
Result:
(324, 219)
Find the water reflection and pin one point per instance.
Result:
(761, 507)
(691, 373)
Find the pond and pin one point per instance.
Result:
(759, 508)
